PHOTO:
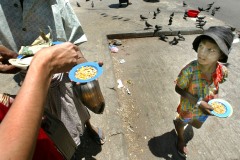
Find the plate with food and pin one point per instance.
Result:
(85, 72)
(21, 63)
(221, 107)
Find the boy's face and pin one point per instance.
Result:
(208, 52)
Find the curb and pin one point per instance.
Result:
(170, 32)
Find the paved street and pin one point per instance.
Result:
(228, 10)
(139, 125)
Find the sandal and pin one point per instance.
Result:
(181, 153)
(98, 138)
(6, 99)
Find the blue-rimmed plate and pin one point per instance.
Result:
(73, 71)
(228, 108)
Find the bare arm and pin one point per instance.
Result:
(19, 129)
(204, 106)
(185, 94)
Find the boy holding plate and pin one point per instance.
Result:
(198, 82)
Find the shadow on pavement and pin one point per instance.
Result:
(164, 146)
(88, 148)
(152, 1)
(17, 79)
(117, 6)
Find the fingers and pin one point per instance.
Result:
(100, 63)
(208, 112)
(206, 108)
(6, 53)
(60, 58)
(4, 68)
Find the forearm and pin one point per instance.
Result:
(16, 132)
(20, 127)
(186, 94)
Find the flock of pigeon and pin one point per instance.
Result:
(175, 39)
(200, 22)
(158, 28)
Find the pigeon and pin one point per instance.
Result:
(180, 36)
(201, 17)
(201, 24)
(232, 29)
(171, 15)
(158, 10)
(78, 4)
(200, 9)
(170, 21)
(185, 15)
(199, 20)
(147, 24)
(158, 27)
(92, 4)
(213, 12)
(207, 9)
(163, 37)
(154, 15)
(174, 41)
(184, 4)
(155, 31)
(210, 4)
(216, 8)
(143, 18)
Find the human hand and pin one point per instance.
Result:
(58, 58)
(5, 55)
(206, 108)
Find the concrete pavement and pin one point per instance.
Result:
(139, 126)
(135, 126)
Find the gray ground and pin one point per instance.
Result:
(139, 125)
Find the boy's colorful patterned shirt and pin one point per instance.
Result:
(194, 81)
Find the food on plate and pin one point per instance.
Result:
(85, 72)
(218, 107)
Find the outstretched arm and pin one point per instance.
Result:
(19, 129)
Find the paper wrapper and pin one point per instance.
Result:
(41, 42)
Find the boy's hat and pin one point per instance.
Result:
(221, 35)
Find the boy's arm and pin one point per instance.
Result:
(204, 106)
(186, 94)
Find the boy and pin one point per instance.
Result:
(198, 82)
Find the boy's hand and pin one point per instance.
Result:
(206, 108)
(5, 55)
